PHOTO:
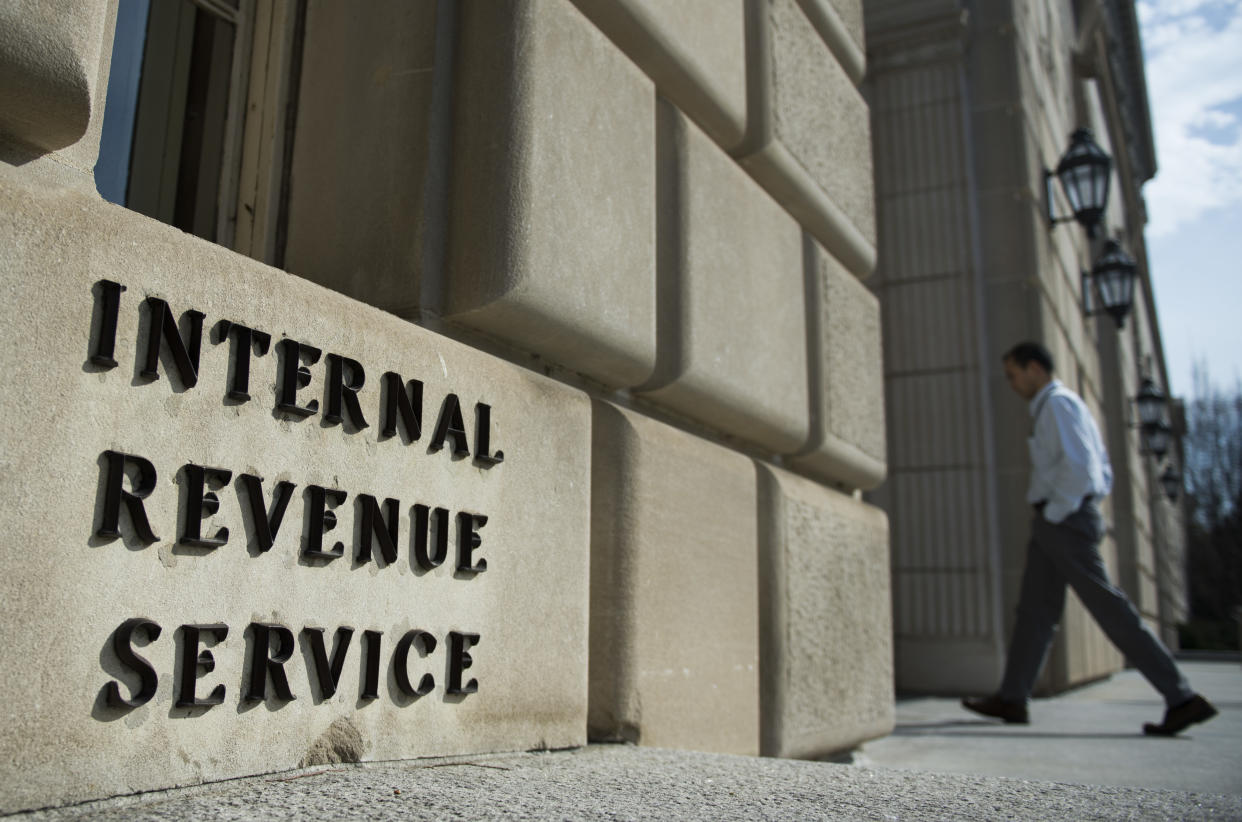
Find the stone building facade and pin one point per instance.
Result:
(971, 102)
(435, 378)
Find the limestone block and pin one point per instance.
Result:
(998, 164)
(825, 624)
(850, 13)
(219, 446)
(733, 326)
(49, 62)
(847, 384)
(993, 59)
(944, 420)
(552, 225)
(840, 24)
(674, 589)
(1012, 314)
(928, 324)
(694, 50)
(949, 666)
(54, 59)
(363, 227)
(809, 136)
(926, 235)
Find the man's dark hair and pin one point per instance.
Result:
(1025, 353)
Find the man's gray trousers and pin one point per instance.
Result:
(1069, 553)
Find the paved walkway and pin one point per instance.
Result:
(1092, 735)
(1083, 758)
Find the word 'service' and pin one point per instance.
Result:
(269, 647)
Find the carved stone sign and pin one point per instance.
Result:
(272, 645)
(252, 524)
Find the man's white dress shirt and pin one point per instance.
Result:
(1068, 459)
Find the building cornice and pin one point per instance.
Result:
(901, 32)
(1124, 49)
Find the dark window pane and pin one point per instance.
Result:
(202, 139)
(163, 151)
(117, 137)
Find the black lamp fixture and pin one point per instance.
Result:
(1151, 402)
(1113, 276)
(1171, 482)
(1157, 438)
(1152, 407)
(1084, 173)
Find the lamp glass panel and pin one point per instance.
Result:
(1116, 286)
(1149, 410)
(1150, 402)
(1157, 437)
(1114, 274)
(1125, 286)
(1171, 481)
(1100, 186)
(1072, 180)
(1106, 282)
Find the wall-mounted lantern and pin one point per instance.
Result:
(1151, 402)
(1112, 277)
(1084, 174)
(1171, 482)
(1153, 408)
(1157, 438)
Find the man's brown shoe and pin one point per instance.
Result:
(1176, 720)
(1013, 713)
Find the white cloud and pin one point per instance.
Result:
(1215, 119)
(1194, 70)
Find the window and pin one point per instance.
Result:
(197, 116)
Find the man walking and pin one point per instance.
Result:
(1070, 474)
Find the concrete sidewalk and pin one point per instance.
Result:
(1092, 735)
(1083, 758)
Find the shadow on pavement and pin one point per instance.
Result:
(989, 730)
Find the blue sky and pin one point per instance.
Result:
(1193, 54)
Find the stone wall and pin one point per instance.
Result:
(554, 426)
